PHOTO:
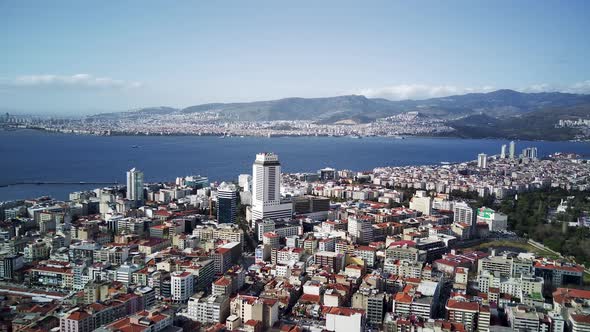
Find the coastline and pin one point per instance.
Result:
(279, 135)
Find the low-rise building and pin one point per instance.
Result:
(182, 286)
(264, 310)
(345, 319)
(472, 315)
(211, 309)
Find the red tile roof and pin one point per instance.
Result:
(79, 315)
(553, 266)
(562, 295)
(354, 266)
(52, 269)
(463, 306)
(223, 282)
(365, 248)
(402, 243)
(451, 326)
(183, 274)
(403, 298)
(310, 298)
(579, 318)
(342, 311)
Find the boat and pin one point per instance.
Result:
(135, 146)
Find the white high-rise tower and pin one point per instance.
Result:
(503, 152)
(245, 182)
(266, 185)
(482, 160)
(135, 185)
(512, 149)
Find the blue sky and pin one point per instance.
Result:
(79, 57)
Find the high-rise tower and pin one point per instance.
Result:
(482, 160)
(503, 151)
(135, 185)
(227, 200)
(266, 184)
(512, 149)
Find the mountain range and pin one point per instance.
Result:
(502, 113)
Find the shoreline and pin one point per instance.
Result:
(131, 134)
(131, 150)
(394, 137)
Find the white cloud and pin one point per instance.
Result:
(419, 91)
(542, 87)
(77, 80)
(582, 87)
(425, 91)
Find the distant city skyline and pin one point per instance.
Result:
(75, 58)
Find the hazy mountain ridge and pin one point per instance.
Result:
(499, 103)
(507, 112)
(533, 125)
(294, 108)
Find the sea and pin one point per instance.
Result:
(38, 156)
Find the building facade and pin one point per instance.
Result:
(135, 185)
(227, 201)
(266, 195)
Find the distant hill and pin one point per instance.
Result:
(501, 103)
(132, 114)
(532, 125)
(502, 113)
(314, 109)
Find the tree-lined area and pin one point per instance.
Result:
(534, 215)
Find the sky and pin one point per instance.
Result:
(81, 57)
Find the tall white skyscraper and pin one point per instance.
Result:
(512, 149)
(482, 160)
(503, 152)
(245, 181)
(534, 153)
(530, 153)
(135, 185)
(266, 184)
(463, 213)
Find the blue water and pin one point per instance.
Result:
(28, 155)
